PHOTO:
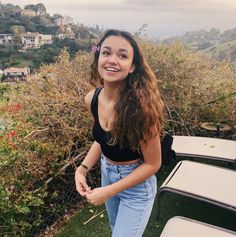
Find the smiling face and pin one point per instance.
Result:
(115, 59)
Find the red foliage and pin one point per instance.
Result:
(13, 108)
(8, 138)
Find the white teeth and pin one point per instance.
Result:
(111, 69)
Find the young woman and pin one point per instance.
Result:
(128, 122)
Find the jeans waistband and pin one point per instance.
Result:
(131, 162)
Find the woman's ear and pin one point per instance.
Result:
(132, 68)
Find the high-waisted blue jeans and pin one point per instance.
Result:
(128, 211)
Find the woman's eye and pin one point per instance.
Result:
(105, 53)
(123, 56)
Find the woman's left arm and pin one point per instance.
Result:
(152, 162)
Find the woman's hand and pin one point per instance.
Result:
(81, 184)
(98, 196)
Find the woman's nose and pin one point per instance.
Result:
(112, 59)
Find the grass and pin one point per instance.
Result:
(216, 50)
(98, 227)
(21, 62)
(171, 205)
(223, 46)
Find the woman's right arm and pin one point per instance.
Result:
(90, 160)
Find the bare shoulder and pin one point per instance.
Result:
(88, 99)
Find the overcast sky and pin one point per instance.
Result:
(164, 17)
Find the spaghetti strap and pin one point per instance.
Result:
(94, 102)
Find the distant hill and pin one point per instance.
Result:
(221, 45)
(15, 20)
(12, 17)
(222, 51)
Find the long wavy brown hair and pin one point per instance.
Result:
(139, 110)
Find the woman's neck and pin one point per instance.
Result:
(111, 92)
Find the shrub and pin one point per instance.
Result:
(195, 87)
(46, 122)
(47, 117)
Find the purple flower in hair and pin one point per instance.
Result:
(95, 48)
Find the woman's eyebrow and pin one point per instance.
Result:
(106, 47)
(109, 48)
(123, 50)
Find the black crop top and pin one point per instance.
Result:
(113, 152)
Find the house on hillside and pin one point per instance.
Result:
(30, 40)
(45, 39)
(35, 40)
(61, 21)
(28, 12)
(16, 74)
(65, 30)
(6, 39)
(70, 35)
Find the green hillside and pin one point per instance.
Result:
(223, 51)
(220, 45)
(13, 22)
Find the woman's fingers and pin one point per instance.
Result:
(81, 190)
(81, 185)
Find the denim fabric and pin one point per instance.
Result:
(128, 211)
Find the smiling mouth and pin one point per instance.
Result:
(111, 69)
